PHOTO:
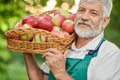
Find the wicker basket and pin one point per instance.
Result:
(61, 44)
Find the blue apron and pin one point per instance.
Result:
(78, 68)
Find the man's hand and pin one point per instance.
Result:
(55, 60)
(57, 63)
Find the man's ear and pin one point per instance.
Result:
(106, 22)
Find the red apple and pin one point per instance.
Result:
(17, 37)
(47, 16)
(72, 16)
(66, 34)
(45, 22)
(68, 26)
(31, 20)
(58, 19)
(58, 33)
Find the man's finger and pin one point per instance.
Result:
(53, 50)
(48, 54)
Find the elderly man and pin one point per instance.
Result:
(91, 56)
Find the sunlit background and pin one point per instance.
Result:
(51, 4)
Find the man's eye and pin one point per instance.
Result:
(93, 13)
(81, 10)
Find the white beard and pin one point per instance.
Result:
(87, 34)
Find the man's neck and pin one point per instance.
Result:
(80, 42)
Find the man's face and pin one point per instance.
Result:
(89, 19)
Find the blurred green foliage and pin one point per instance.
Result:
(11, 11)
(113, 30)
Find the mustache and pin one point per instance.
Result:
(84, 22)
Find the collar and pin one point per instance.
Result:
(89, 46)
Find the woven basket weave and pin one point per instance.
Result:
(61, 44)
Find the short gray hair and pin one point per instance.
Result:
(107, 8)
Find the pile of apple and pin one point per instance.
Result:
(60, 23)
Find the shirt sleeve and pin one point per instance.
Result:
(106, 66)
(44, 67)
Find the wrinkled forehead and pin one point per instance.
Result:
(92, 6)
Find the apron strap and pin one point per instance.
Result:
(91, 52)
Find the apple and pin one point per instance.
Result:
(58, 33)
(43, 38)
(63, 12)
(72, 16)
(57, 28)
(26, 37)
(58, 19)
(68, 26)
(66, 34)
(31, 20)
(18, 24)
(17, 37)
(39, 38)
(45, 22)
(26, 26)
(47, 16)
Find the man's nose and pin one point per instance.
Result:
(85, 16)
